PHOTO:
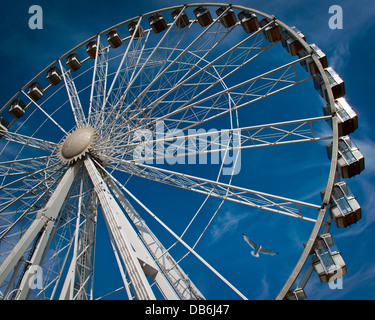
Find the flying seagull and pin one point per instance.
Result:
(257, 248)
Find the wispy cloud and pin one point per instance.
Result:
(265, 289)
(226, 222)
(340, 56)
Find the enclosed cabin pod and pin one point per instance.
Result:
(347, 118)
(309, 63)
(327, 261)
(249, 21)
(350, 160)
(296, 294)
(228, 19)
(54, 76)
(344, 208)
(73, 61)
(4, 126)
(135, 31)
(17, 108)
(290, 43)
(273, 31)
(157, 23)
(91, 49)
(35, 91)
(182, 18)
(336, 83)
(204, 16)
(114, 38)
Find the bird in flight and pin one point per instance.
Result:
(257, 248)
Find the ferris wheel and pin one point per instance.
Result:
(191, 106)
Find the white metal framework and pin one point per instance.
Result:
(143, 104)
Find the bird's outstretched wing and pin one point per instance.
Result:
(249, 241)
(270, 252)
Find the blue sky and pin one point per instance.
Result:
(350, 51)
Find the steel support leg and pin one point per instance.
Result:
(43, 222)
(176, 276)
(134, 254)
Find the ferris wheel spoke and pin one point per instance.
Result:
(252, 90)
(164, 147)
(33, 142)
(216, 105)
(252, 198)
(189, 116)
(231, 66)
(183, 87)
(115, 98)
(185, 80)
(185, 64)
(162, 70)
(124, 57)
(132, 90)
(49, 117)
(29, 175)
(26, 211)
(75, 103)
(99, 83)
(33, 188)
(138, 71)
(23, 166)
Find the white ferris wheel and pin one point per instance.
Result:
(181, 106)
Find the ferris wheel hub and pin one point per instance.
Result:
(77, 144)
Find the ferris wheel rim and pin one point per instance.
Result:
(322, 214)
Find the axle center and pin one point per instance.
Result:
(77, 144)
